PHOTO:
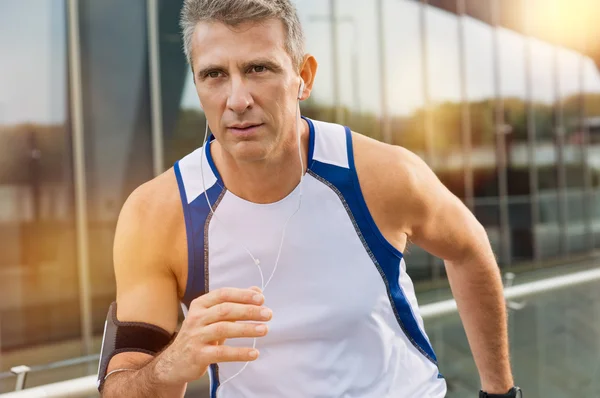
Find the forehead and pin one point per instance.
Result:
(216, 42)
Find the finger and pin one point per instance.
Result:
(228, 294)
(231, 330)
(257, 289)
(223, 353)
(235, 312)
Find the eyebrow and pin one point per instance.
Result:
(268, 62)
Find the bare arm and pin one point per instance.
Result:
(146, 287)
(149, 252)
(443, 226)
(437, 221)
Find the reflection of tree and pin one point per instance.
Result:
(447, 127)
(188, 134)
(409, 130)
(37, 235)
(35, 174)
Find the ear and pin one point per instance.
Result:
(307, 74)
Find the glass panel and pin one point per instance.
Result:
(542, 74)
(183, 122)
(570, 101)
(591, 104)
(445, 96)
(512, 89)
(117, 122)
(39, 302)
(315, 17)
(358, 60)
(405, 73)
(548, 230)
(186, 124)
(480, 93)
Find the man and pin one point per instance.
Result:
(282, 237)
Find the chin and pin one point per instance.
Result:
(250, 151)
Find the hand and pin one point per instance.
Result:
(210, 321)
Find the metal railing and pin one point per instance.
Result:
(75, 388)
(21, 372)
(86, 386)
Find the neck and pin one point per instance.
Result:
(269, 180)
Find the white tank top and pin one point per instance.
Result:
(345, 317)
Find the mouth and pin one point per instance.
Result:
(244, 129)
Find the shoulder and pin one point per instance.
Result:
(150, 228)
(397, 184)
(406, 198)
(380, 154)
(155, 201)
(389, 167)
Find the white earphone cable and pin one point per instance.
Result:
(255, 260)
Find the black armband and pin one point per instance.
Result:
(128, 337)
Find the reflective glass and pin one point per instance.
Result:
(39, 288)
(117, 124)
(543, 93)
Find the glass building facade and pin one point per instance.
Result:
(96, 98)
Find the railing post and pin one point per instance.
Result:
(21, 373)
(509, 279)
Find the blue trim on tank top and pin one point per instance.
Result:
(361, 200)
(210, 160)
(385, 256)
(311, 140)
(200, 212)
(188, 227)
(214, 380)
(195, 215)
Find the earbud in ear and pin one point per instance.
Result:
(301, 90)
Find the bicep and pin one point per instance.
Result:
(146, 288)
(440, 223)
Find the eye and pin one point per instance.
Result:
(259, 68)
(213, 74)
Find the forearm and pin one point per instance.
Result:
(477, 287)
(142, 383)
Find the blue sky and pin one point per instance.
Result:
(33, 68)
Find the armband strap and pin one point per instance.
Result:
(128, 337)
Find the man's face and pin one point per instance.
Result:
(247, 85)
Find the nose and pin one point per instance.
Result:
(240, 99)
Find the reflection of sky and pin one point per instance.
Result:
(33, 81)
(33, 67)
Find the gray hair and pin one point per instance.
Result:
(235, 12)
